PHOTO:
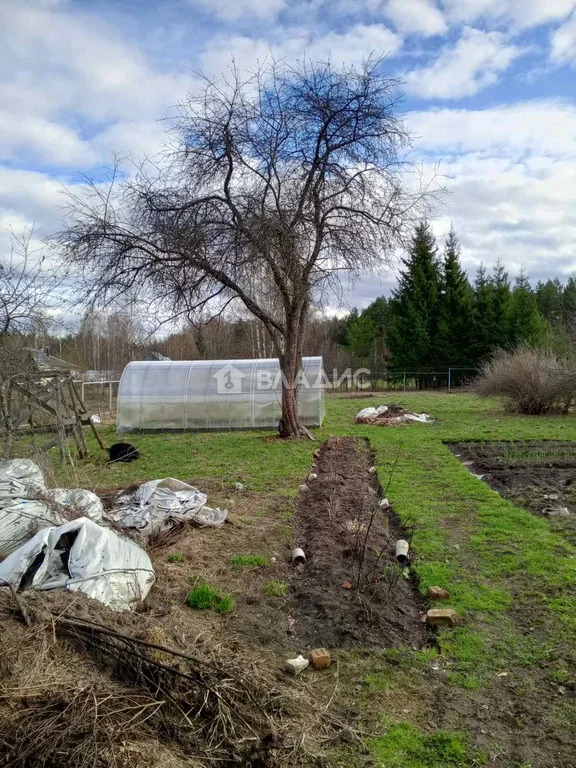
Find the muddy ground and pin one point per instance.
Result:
(539, 476)
(350, 540)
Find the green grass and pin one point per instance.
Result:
(207, 597)
(249, 561)
(496, 559)
(176, 557)
(404, 745)
(275, 588)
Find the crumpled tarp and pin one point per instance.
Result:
(386, 414)
(27, 505)
(82, 556)
(158, 505)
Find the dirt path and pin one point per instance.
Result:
(349, 539)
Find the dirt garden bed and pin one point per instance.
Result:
(538, 475)
(349, 540)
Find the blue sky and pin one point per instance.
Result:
(489, 90)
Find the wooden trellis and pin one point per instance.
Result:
(44, 403)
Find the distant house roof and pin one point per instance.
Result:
(155, 356)
(46, 362)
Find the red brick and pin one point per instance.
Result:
(320, 658)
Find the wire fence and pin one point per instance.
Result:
(403, 381)
(99, 397)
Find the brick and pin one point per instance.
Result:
(320, 658)
(438, 617)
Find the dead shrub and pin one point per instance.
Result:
(531, 379)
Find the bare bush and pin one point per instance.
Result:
(533, 380)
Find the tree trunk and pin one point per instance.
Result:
(290, 365)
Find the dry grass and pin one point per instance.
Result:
(79, 693)
(533, 381)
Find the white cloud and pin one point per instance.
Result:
(235, 9)
(55, 63)
(522, 212)
(416, 17)
(541, 127)
(343, 48)
(29, 138)
(29, 199)
(521, 13)
(510, 172)
(563, 43)
(475, 62)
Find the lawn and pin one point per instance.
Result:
(500, 688)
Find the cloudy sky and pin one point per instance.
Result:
(489, 90)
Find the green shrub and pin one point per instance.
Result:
(275, 588)
(177, 557)
(249, 561)
(207, 597)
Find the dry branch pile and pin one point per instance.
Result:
(77, 693)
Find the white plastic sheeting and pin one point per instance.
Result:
(156, 506)
(82, 556)
(370, 415)
(25, 503)
(213, 394)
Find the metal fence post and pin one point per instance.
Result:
(404, 382)
(82, 390)
(110, 397)
(449, 379)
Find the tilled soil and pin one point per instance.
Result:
(539, 476)
(349, 540)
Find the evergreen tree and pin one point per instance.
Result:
(483, 315)
(526, 323)
(500, 299)
(362, 337)
(568, 305)
(366, 335)
(413, 322)
(344, 327)
(549, 298)
(455, 324)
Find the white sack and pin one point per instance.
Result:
(367, 413)
(86, 557)
(23, 506)
(155, 506)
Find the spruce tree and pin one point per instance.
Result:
(549, 298)
(413, 322)
(500, 298)
(362, 337)
(455, 323)
(569, 306)
(526, 323)
(483, 316)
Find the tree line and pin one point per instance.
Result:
(437, 318)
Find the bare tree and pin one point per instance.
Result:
(292, 175)
(29, 290)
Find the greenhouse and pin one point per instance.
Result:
(214, 394)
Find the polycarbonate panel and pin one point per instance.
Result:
(213, 394)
